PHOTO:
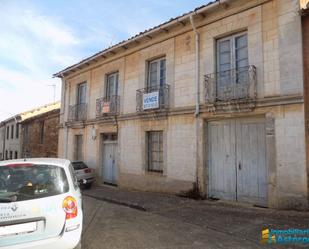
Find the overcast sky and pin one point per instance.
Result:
(39, 38)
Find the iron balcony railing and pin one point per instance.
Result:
(231, 85)
(78, 112)
(152, 98)
(107, 105)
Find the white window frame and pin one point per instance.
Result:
(233, 49)
(107, 84)
(78, 99)
(158, 83)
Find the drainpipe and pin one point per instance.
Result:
(197, 54)
(197, 85)
(63, 111)
(66, 110)
(197, 101)
(197, 67)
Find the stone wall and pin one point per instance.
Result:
(49, 146)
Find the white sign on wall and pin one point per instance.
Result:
(151, 100)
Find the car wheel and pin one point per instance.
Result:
(88, 185)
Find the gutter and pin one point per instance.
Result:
(197, 50)
(197, 67)
(199, 161)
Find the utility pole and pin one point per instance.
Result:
(54, 88)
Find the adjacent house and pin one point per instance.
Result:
(10, 138)
(40, 134)
(18, 133)
(210, 102)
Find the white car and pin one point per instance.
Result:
(84, 175)
(40, 204)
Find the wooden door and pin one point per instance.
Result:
(222, 172)
(237, 160)
(251, 161)
(109, 163)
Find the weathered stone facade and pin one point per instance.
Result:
(273, 28)
(41, 142)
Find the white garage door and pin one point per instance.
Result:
(237, 160)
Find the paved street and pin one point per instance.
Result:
(181, 223)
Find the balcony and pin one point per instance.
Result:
(107, 106)
(152, 98)
(231, 90)
(78, 112)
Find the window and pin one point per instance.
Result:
(80, 111)
(16, 154)
(155, 151)
(109, 137)
(17, 130)
(26, 134)
(78, 148)
(12, 131)
(11, 154)
(232, 52)
(7, 132)
(232, 64)
(111, 88)
(156, 73)
(32, 182)
(42, 132)
(81, 93)
(6, 155)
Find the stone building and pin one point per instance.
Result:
(40, 134)
(12, 133)
(10, 138)
(209, 102)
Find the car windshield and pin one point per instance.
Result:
(19, 182)
(79, 165)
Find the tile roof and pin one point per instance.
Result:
(40, 110)
(34, 112)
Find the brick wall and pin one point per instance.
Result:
(49, 146)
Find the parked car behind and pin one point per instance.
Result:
(40, 204)
(85, 175)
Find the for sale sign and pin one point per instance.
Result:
(151, 100)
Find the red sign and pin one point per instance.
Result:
(105, 107)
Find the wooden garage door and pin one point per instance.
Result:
(237, 160)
